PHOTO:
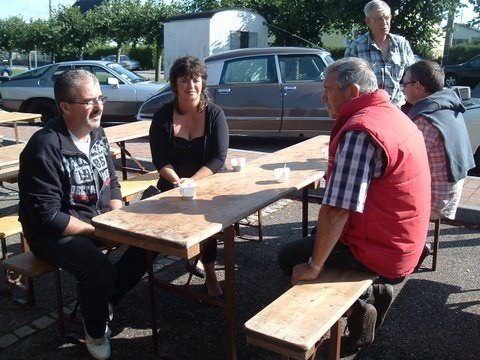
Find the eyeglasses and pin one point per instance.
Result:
(404, 83)
(89, 102)
(381, 19)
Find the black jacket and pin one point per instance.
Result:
(57, 180)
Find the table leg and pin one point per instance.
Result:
(230, 290)
(335, 340)
(123, 158)
(15, 130)
(153, 304)
(304, 212)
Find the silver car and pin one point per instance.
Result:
(32, 91)
(126, 61)
(265, 91)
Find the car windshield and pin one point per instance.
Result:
(126, 74)
(32, 73)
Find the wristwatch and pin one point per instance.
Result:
(314, 265)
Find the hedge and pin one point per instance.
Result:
(461, 53)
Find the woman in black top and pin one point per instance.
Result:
(189, 139)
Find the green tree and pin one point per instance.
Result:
(120, 21)
(476, 9)
(75, 30)
(155, 12)
(11, 34)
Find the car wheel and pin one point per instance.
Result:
(47, 108)
(5, 74)
(451, 80)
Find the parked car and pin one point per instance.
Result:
(125, 61)
(472, 121)
(32, 91)
(467, 73)
(276, 90)
(5, 70)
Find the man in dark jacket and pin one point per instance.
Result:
(438, 113)
(66, 178)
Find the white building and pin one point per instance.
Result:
(210, 32)
(464, 34)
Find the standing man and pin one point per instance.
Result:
(438, 113)
(376, 205)
(388, 54)
(67, 177)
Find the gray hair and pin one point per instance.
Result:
(355, 71)
(68, 82)
(376, 5)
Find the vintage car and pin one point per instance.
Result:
(467, 73)
(265, 91)
(32, 91)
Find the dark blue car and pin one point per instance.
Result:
(467, 73)
(5, 70)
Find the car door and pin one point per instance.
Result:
(302, 87)
(122, 104)
(472, 71)
(249, 93)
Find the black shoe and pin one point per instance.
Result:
(195, 270)
(361, 324)
(383, 297)
(427, 251)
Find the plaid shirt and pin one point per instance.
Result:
(445, 195)
(389, 71)
(358, 160)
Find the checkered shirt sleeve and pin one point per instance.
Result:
(444, 193)
(358, 160)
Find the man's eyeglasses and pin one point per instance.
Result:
(382, 19)
(89, 102)
(404, 83)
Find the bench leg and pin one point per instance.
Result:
(58, 293)
(260, 225)
(153, 302)
(229, 259)
(8, 290)
(304, 212)
(335, 340)
(436, 244)
(30, 292)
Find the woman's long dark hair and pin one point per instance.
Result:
(189, 66)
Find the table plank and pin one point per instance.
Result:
(167, 220)
(18, 116)
(128, 131)
(9, 155)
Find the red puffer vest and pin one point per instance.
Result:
(389, 235)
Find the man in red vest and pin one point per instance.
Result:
(376, 206)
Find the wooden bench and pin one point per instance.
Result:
(9, 226)
(295, 322)
(137, 184)
(32, 267)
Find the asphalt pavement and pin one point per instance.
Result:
(435, 315)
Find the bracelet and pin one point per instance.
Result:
(314, 265)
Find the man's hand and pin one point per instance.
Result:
(303, 272)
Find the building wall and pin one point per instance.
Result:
(226, 25)
(465, 35)
(183, 38)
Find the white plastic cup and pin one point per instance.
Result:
(281, 174)
(188, 188)
(238, 164)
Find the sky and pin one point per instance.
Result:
(39, 9)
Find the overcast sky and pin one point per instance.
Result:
(39, 9)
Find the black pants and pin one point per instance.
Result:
(98, 280)
(299, 251)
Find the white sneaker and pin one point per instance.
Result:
(99, 348)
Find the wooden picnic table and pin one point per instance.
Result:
(10, 155)
(14, 117)
(120, 133)
(168, 224)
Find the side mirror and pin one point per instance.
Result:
(113, 82)
(322, 76)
